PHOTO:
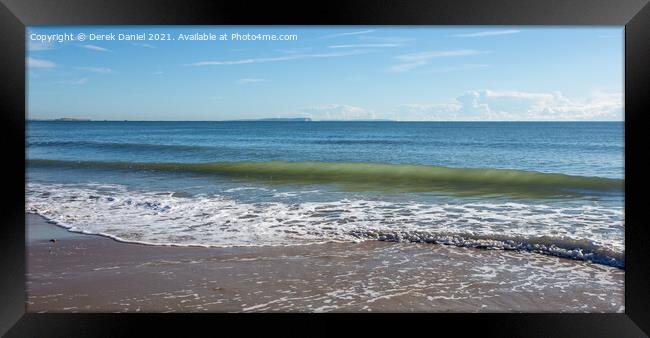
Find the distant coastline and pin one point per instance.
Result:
(279, 119)
(65, 119)
(307, 119)
(269, 119)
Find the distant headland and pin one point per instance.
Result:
(63, 119)
(71, 119)
(268, 119)
(281, 119)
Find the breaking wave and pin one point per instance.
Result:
(381, 176)
(590, 232)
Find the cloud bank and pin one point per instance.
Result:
(479, 105)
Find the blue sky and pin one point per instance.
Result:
(330, 73)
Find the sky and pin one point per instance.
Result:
(416, 73)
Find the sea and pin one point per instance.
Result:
(553, 188)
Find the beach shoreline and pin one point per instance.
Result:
(92, 273)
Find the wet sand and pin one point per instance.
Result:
(89, 273)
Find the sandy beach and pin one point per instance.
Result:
(90, 273)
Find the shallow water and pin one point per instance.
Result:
(95, 274)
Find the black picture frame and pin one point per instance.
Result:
(15, 15)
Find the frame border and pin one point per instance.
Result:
(15, 15)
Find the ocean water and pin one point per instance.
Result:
(546, 187)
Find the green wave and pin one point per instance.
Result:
(381, 176)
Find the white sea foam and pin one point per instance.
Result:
(588, 231)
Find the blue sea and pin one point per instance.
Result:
(554, 188)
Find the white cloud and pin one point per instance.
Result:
(481, 105)
(461, 67)
(101, 70)
(39, 63)
(426, 56)
(348, 33)
(487, 33)
(405, 67)
(143, 45)
(337, 112)
(244, 81)
(294, 50)
(385, 39)
(75, 82)
(428, 112)
(277, 58)
(34, 46)
(367, 45)
(234, 62)
(414, 60)
(94, 47)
